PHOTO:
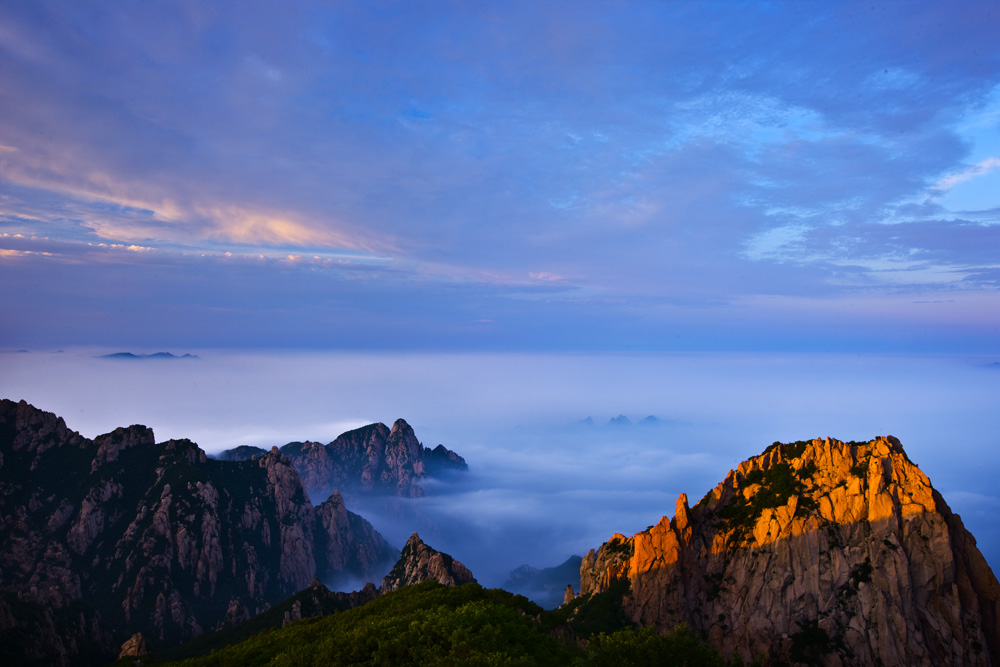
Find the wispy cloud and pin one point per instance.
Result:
(981, 168)
(546, 276)
(145, 216)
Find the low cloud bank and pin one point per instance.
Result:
(544, 483)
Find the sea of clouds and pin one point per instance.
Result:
(543, 483)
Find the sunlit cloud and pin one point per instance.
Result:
(8, 252)
(546, 276)
(123, 209)
(239, 225)
(979, 169)
(122, 246)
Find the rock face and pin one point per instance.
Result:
(135, 646)
(819, 552)
(103, 539)
(419, 562)
(370, 459)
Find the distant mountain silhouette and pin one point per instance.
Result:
(547, 586)
(621, 422)
(155, 355)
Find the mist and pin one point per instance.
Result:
(544, 484)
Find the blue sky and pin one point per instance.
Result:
(501, 176)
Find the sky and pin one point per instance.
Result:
(509, 176)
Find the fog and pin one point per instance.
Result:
(542, 484)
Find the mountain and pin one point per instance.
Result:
(547, 586)
(156, 356)
(102, 539)
(813, 552)
(425, 624)
(620, 420)
(419, 562)
(371, 459)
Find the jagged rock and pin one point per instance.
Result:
(569, 595)
(134, 647)
(157, 539)
(819, 552)
(370, 459)
(419, 562)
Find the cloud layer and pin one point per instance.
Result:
(543, 485)
(499, 175)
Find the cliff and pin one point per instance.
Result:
(104, 539)
(370, 459)
(819, 552)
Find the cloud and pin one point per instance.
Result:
(979, 169)
(103, 206)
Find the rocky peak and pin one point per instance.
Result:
(815, 551)
(419, 562)
(241, 453)
(29, 429)
(134, 647)
(371, 459)
(111, 444)
(442, 461)
(182, 450)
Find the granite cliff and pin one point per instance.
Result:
(818, 552)
(370, 459)
(419, 562)
(102, 539)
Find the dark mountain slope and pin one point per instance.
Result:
(102, 539)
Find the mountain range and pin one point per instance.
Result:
(370, 459)
(816, 552)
